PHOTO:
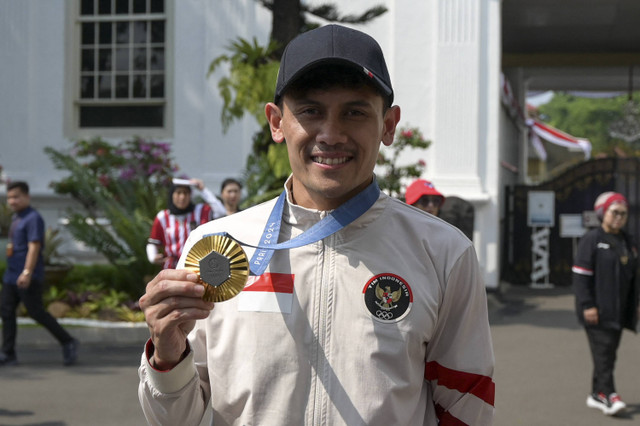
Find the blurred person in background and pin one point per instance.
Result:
(606, 289)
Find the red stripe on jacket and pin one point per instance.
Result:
(475, 384)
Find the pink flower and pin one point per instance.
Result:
(104, 180)
(407, 134)
(422, 162)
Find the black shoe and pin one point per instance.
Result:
(7, 359)
(70, 352)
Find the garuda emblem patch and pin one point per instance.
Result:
(388, 297)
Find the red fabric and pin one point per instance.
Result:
(171, 234)
(475, 384)
(419, 188)
(445, 418)
(615, 197)
(271, 282)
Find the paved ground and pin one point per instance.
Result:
(543, 365)
(542, 370)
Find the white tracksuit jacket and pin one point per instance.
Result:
(383, 323)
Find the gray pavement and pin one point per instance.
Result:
(542, 371)
(543, 364)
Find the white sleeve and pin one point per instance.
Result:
(152, 251)
(173, 397)
(460, 356)
(214, 202)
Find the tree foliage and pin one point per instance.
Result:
(590, 119)
(120, 188)
(392, 176)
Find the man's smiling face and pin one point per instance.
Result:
(333, 137)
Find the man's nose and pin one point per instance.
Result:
(332, 131)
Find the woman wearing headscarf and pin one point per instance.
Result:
(606, 289)
(172, 226)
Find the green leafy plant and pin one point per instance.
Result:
(5, 220)
(392, 176)
(119, 188)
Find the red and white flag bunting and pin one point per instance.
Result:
(538, 129)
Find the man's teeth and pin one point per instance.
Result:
(330, 161)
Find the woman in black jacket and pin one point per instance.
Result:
(604, 280)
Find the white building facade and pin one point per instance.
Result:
(443, 56)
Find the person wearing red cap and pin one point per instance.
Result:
(366, 311)
(424, 195)
(604, 280)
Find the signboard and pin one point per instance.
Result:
(571, 226)
(590, 219)
(541, 208)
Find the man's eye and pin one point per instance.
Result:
(355, 113)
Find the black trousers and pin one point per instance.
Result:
(604, 344)
(31, 297)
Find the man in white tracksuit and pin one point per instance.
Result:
(382, 320)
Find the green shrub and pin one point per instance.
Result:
(119, 187)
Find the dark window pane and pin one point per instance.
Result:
(139, 6)
(104, 7)
(105, 33)
(157, 6)
(139, 86)
(88, 60)
(122, 6)
(86, 87)
(86, 7)
(104, 86)
(122, 59)
(104, 59)
(88, 33)
(140, 59)
(157, 59)
(122, 86)
(122, 32)
(157, 86)
(132, 116)
(157, 31)
(140, 32)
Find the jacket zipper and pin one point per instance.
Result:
(322, 327)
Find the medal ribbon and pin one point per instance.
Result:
(332, 223)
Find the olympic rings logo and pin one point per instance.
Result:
(384, 315)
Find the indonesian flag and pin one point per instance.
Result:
(269, 292)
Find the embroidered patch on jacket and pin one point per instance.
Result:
(388, 297)
(269, 292)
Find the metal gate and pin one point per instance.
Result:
(575, 192)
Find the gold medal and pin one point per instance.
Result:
(222, 266)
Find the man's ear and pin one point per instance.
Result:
(274, 118)
(391, 120)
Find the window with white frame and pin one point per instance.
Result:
(121, 76)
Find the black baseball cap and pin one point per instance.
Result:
(333, 44)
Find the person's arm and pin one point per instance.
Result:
(216, 205)
(170, 391)
(33, 250)
(583, 278)
(153, 255)
(459, 359)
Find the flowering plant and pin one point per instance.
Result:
(390, 180)
(119, 188)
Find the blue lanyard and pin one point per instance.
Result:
(332, 223)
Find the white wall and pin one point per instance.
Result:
(32, 75)
(443, 56)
